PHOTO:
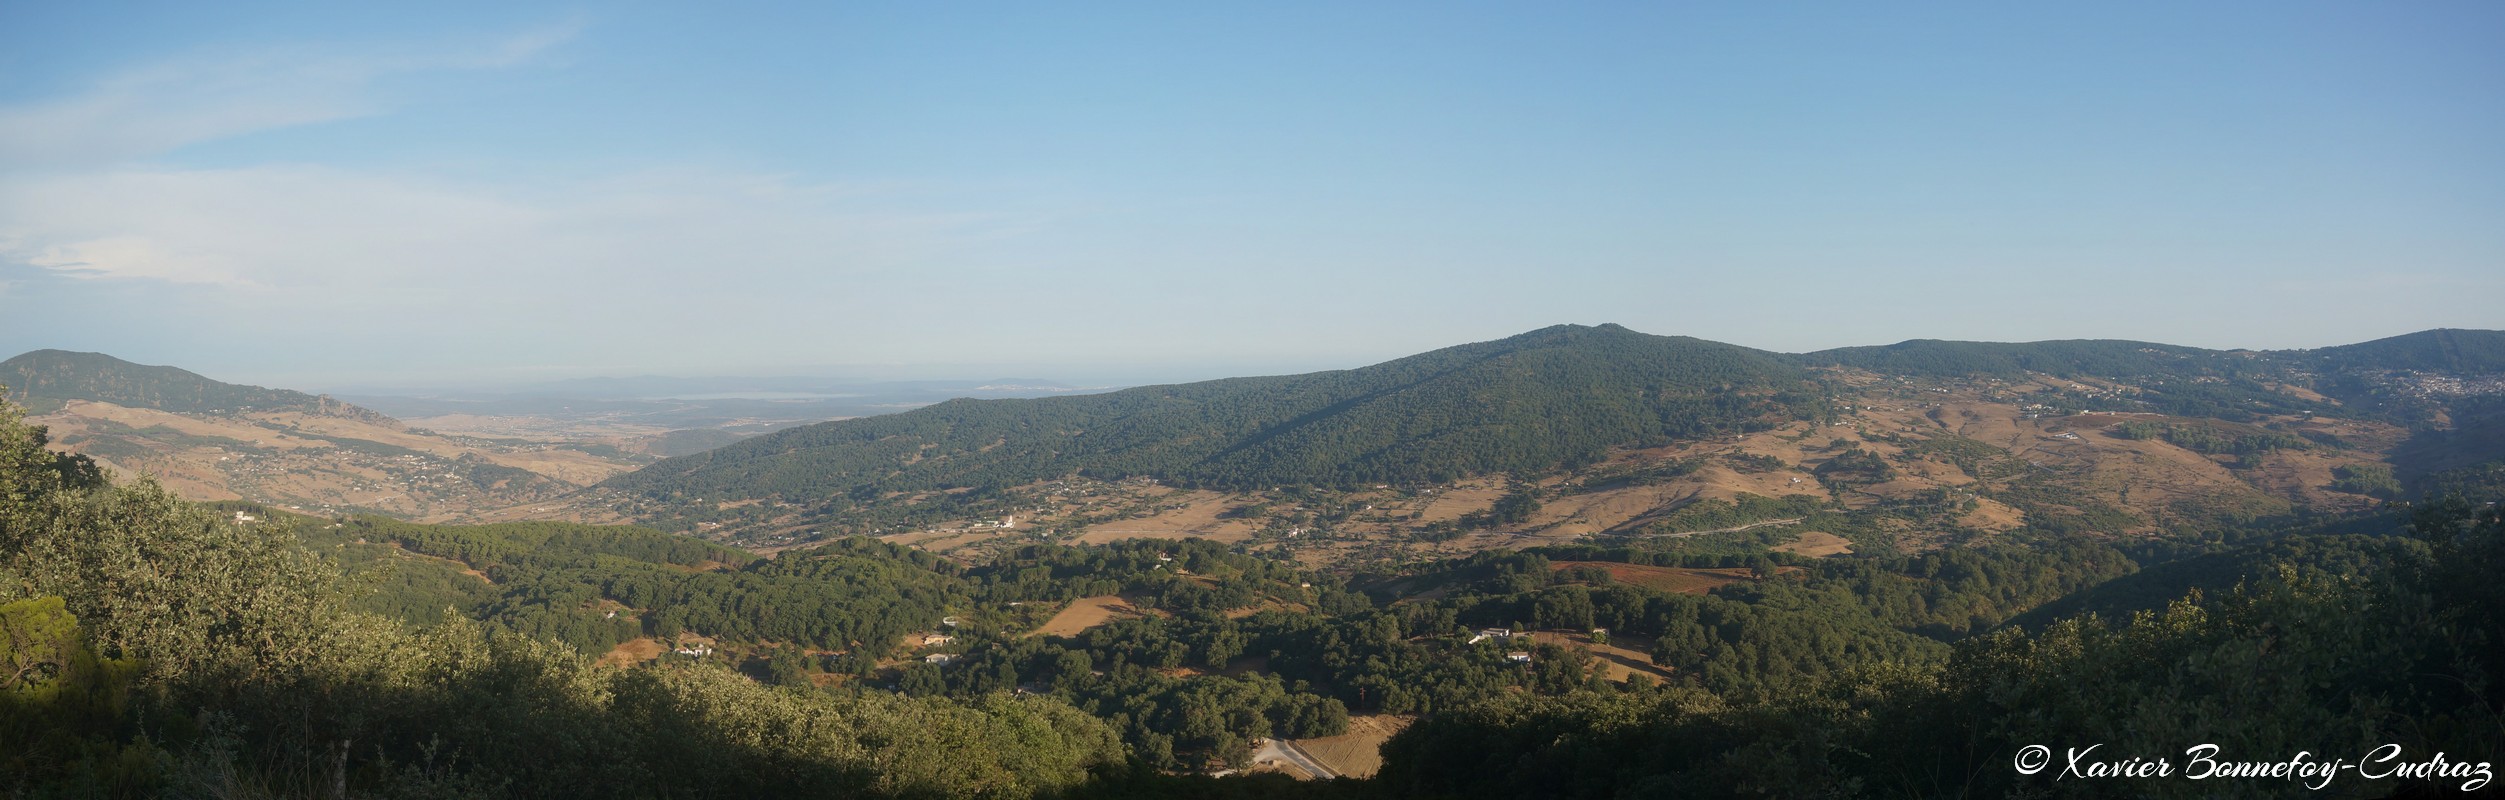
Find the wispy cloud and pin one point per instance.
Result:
(152, 109)
(336, 233)
(94, 226)
(340, 267)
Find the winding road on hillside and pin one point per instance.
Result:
(1771, 522)
(1284, 750)
(1762, 524)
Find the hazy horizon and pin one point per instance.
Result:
(550, 379)
(323, 197)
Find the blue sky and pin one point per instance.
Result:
(327, 196)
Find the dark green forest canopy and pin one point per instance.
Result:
(561, 581)
(2108, 358)
(1879, 673)
(2169, 379)
(1529, 403)
(43, 378)
(2319, 641)
(552, 581)
(156, 648)
(2442, 349)
(176, 652)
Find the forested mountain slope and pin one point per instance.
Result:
(2442, 349)
(2109, 435)
(1529, 403)
(2111, 358)
(161, 649)
(210, 440)
(154, 648)
(2160, 378)
(43, 379)
(2392, 661)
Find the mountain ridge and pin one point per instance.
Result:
(43, 379)
(2459, 349)
(211, 440)
(1370, 424)
(1527, 405)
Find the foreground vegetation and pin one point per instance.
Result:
(157, 648)
(154, 647)
(2329, 644)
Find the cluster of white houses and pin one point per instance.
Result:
(1506, 635)
(941, 640)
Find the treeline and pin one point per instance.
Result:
(1298, 672)
(1643, 474)
(1194, 690)
(1127, 674)
(2168, 379)
(47, 377)
(156, 649)
(1224, 579)
(2070, 358)
(1944, 594)
(594, 587)
(159, 649)
(1530, 405)
(1805, 619)
(2217, 569)
(2439, 350)
(1709, 514)
(2373, 480)
(2398, 649)
(2212, 439)
(43, 380)
(495, 545)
